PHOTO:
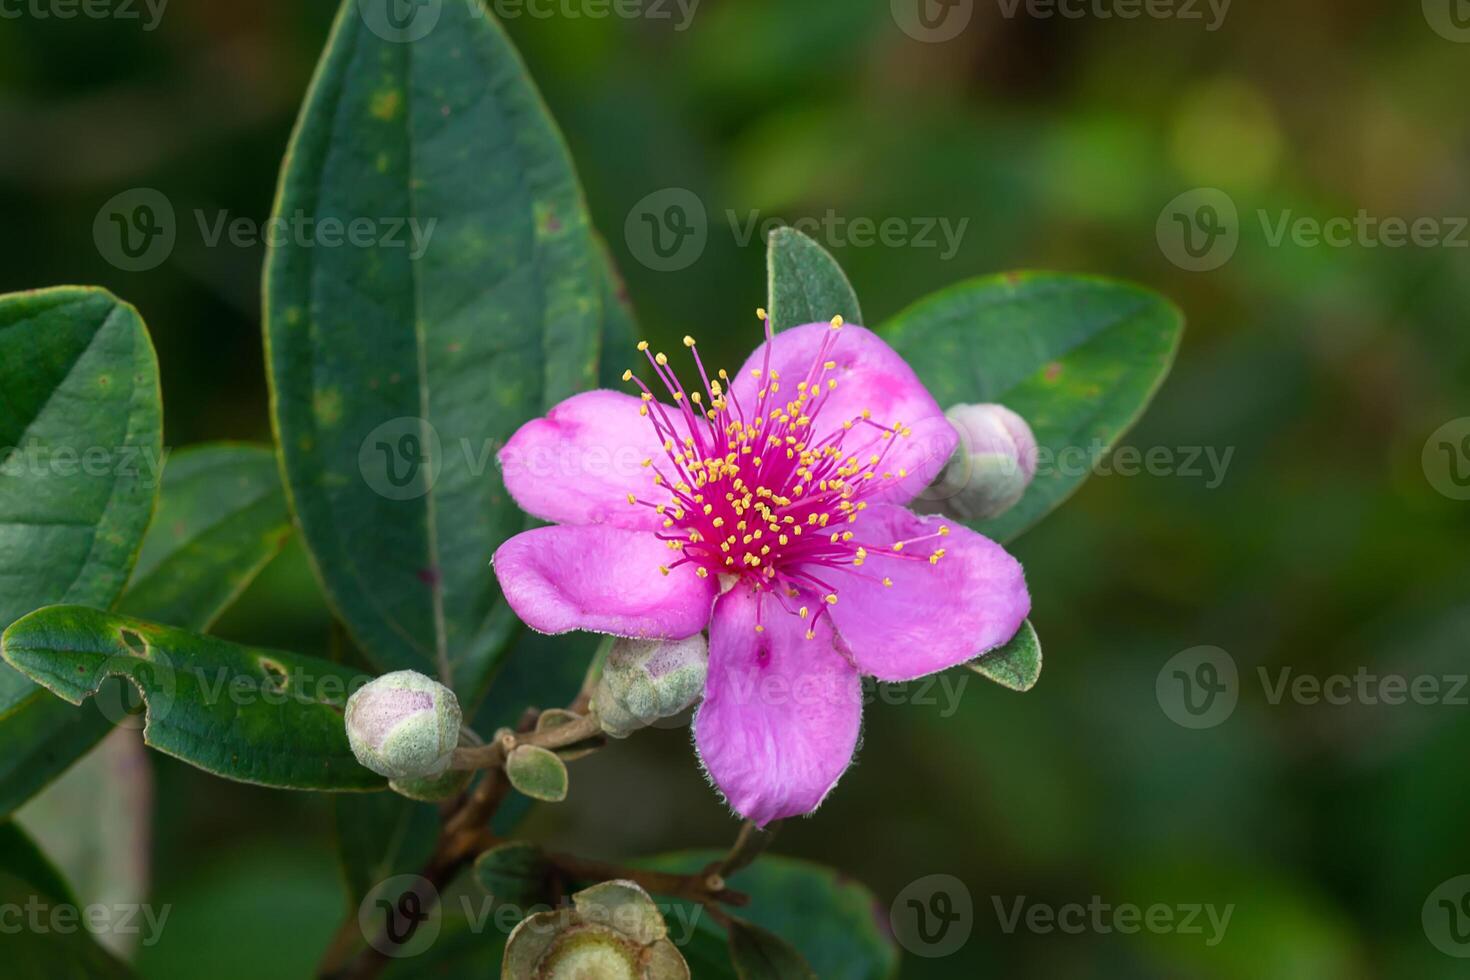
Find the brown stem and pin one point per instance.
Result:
(465, 835)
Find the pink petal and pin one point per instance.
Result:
(935, 615)
(602, 579)
(870, 375)
(781, 713)
(579, 463)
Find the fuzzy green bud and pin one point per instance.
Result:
(404, 725)
(644, 682)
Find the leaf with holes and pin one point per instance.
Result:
(221, 518)
(396, 370)
(81, 418)
(1078, 358)
(805, 283)
(1017, 665)
(252, 715)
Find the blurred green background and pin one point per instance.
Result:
(1325, 549)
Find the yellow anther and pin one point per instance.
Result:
(627, 375)
(760, 314)
(643, 345)
(702, 572)
(943, 530)
(837, 323)
(688, 341)
(802, 612)
(831, 599)
(664, 569)
(661, 358)
(632, 499)
(888, 583)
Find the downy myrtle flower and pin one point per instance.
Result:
(404, 725)
(768, 509)
(995, 462)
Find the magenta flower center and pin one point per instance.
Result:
(772, 493)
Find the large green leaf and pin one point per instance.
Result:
(80, 446)
(253, 715)
(829, 918)
(379, 836)
(221, 519)
(805, 283)
(1078, 358)
(27, 879)
(396, 375)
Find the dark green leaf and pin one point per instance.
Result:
(619, 326)
(258, 716)
(1078, 358)
(805, 283)
(761, 955)
(830, 919)
(1017, 665)
(380, 835)
(515, 873)
(396, 375)
(221, 519)
(80, 448)
(27, 878)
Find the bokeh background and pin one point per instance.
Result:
(1326, 548)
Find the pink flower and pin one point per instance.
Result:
(768, 509)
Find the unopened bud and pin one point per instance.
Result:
(645, 681)
(404, 725)
(994, 463)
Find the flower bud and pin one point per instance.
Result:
(404, 725)
(646, 681)
(994, 463)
